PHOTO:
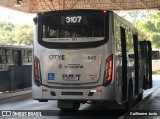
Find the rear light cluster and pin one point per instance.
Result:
(37, 72)
(108, 70)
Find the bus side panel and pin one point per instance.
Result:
(108, 93)
(109, 90)
(36, 92)
(117, 61)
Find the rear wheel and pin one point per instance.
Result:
(42, 100)
(68, 105)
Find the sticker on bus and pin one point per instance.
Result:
(93, 76)
(73, 77)
(51, 76)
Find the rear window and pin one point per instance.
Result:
(73, 28)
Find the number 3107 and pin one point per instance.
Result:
(73, 19)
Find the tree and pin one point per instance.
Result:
(19, 34)
(155, 38)
(23, 34)
(150, 26)
(133, 16)
(6, 33)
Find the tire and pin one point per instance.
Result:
(76, 106)
(43, 100)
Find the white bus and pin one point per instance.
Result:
(155, 59)
(81, 55)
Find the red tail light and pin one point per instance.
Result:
(104, 11)
(108, 70)
(37, 72)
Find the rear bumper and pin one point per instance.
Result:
(99, 93)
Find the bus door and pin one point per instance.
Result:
(121, 64)
(17, 57)
(146, 52)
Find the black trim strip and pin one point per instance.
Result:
(135, 38)
(124, 63)
(81, 87)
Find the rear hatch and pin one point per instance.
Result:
(73, 66)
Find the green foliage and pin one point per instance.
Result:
(150, 25)
(157, 24)
(155, 38)
(23, 34)
(133, 16)
(19, 34)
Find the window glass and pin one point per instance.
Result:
(9, 55)
(73, 26)
(9, 51)
(130, 46)
(2, 55)
(2, 59)
(9, 59)
(118, 43)
(117, 37)
(25, 55)
(2, 51)
(155, 55)
(30, 55)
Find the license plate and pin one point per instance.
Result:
(71, 77)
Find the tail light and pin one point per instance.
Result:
(37, 72)
(108, 70)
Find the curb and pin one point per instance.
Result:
(13, 94)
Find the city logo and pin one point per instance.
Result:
(57, 57)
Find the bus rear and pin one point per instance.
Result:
(73, 59)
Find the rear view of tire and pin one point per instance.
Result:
(68, 105)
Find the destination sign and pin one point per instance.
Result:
(77, 19)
